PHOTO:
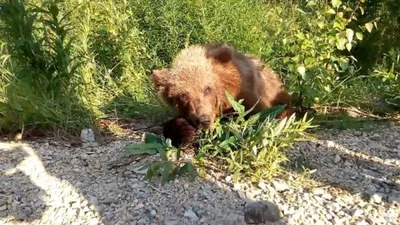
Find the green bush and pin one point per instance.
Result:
(387, 75)
(385, 35)
(253, 147)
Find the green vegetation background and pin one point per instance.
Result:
(70, 63)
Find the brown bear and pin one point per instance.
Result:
(195, 84)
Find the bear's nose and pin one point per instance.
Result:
(205, 120)
(194, 121)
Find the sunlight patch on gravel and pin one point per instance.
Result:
(53, 193)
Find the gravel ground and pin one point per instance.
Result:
(356, 181)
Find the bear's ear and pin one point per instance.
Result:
(160, 78)
(222, 53)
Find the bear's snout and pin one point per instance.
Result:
(202, 120)
(205, 120)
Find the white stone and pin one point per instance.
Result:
(191, 215)
(330, 144)
(377, 198)
(87, 135)
(280, 186)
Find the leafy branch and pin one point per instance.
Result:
(170, 169)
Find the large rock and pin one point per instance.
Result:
(261, 212)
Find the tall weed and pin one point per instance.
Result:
(39, 77)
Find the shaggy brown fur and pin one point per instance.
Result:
(196, 82)
(180, 132)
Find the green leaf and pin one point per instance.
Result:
(336, 3)
(309, 60)
(327, 88)
(300, 36)
(359, 36)
(236, 176)
(302, 70)
(174, 172)
(310, 91)
(349, 34)
(225, 144)
(344, 65)
(341, 43)
(150, 138)
(330, 11)
(143, 148)
(337, 25)
(236, 106)
(280, 126)
(163, 153)
(165, 175)
(168, 143)
(270, 112)
(54, 10)
(311, 3)
(369, 26)
(152, 170)
(295, 58)
(190, 170)
(19, 43)
(300, 10)
(347, 9)
(348, 46)
(362, 10)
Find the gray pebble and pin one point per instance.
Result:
(171, 222)
(280, 186)
(142, 221)
(191, 215)
(3, 208)
(153, 213)
(394, 199)
(337, 158)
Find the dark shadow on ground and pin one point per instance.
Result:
(20, 198)
(341, 118)
(120, 196)
(363, 162)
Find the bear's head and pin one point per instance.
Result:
(192, 85)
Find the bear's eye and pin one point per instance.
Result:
(207, 90)
(184, 97)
